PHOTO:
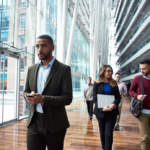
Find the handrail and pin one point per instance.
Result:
(130, 20)
(135, 31)
(119, 26)
(136, 50)
(131, 72)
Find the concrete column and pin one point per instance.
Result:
(102, 40)
(98, 64)
(91, 58)
(59, 26)
(30, 30)
(97, 35)
(70, 44)
(91, 36)
(61, 51)
(38, 27)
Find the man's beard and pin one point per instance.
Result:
(146, 73)
(46, 56)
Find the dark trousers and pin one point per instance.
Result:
(106, 127)
(90, 108)
(38, 135)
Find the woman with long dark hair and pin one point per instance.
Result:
(106, 116)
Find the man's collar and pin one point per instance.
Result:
(50, 63)
(146, 77)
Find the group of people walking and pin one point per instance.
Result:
(109, 117)
(48, 90)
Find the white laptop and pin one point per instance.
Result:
(104, 100)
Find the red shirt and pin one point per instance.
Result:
(135, 90)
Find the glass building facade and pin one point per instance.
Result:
(4, 20)
(80, 60)
(20, 24)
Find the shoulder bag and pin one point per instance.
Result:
(137, 105)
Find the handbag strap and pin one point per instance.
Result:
(142, 86)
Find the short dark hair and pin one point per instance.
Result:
(90, 77)
(117, 73)
(146, 61)
(44, 36)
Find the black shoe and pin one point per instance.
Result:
(91, 118)
(116, 127)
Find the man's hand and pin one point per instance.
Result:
(84, 100)
(141, 97)
(27, 98)
(107, 108)
(36, 99)
(121, 94)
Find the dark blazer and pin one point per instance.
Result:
(99, 89)
(57, 94)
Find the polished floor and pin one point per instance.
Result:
(83, 133)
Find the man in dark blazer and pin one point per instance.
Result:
(48, 90)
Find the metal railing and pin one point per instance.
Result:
(122, 20)
(135, 31)
(136, 50)
(138, 5)
(123, 2)
(130, 72)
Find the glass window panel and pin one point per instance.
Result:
(21, 41)
(79, 60)
(22, 21)
(10, 92)
(22, 3)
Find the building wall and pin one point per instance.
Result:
(132, 38)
